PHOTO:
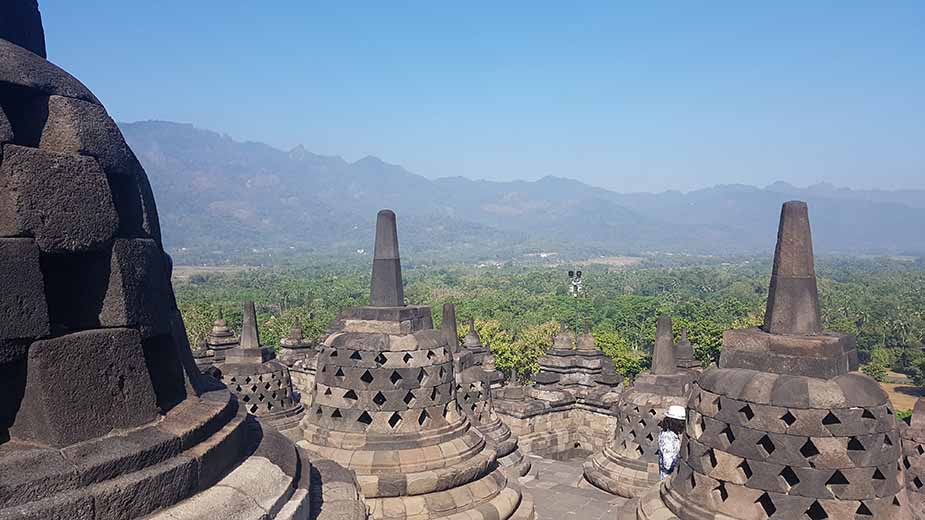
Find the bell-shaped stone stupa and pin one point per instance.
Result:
(103, 413)
(628, 466)
(385, 406)
(784, 427)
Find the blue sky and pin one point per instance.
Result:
(628, 96)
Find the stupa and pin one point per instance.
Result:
(474, 396)
(684, 354)
(628, 466)
(260, 382)
(576, 364)
(221, 338)
(103, 414)
(301, 356)
(784, 427)
(472, 342)
(385, 406)
(913, 442)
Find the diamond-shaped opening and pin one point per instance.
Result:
(633, 434)
(380, 359)
(747, 412)
(917, 482)
(246, 398)
(379, 399)
(423, 418)
(350, 394)
(906, 463)
(339, 373)
(442, 372)
(886, 440)
(855, 445)
(409, 398)
(318, 411)
(328, 392)
(837, 479)
(728, 435)
(253, 408)
(863, 510)
(336, 414)
(896, 502)
(767, 505)
(889, 411)
(809, 449)
(261, 397)
(333, 353)
(652, 412)
(765, 444)
(639, 450)
(642, 423)
(709, 458)
(867, 415)
(878, 475)
(446, 410)
(238, 388)
(745, 469)
(407, 358)
(421, 377)
(431, 355)
(356, 356)
(693, 481)
(247, 379)
(789, 477)
(434, 393)
(718, 403)
(395, 377)
(367, 377)
(830, 419)
(254, 388)
(365, 418)
(394, 420)
(816, 512)
(788, 418)
(720, 491)
(649, 437)
(919, 449)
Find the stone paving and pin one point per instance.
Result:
(560, 492)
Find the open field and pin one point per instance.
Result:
(183, 273)
(903, 395)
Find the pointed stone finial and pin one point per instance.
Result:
(250, 336)
(295, 333)
(793, 300)
(663, 359)
(21, 23)
(448, 327)
(387, 290)
(472, 339)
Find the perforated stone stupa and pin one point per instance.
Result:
(913, 441)
(784, 428)
(474, 395)
(628, 466)
(301, 356)
(103, 414)
(385, 406)
(261, 383)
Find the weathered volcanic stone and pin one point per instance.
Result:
(21, 24)
(22, 300)
(385, 405)
(387, 287)
(628, 466)
(62, 200)
(782, 428)
(793, 303)
(103, 413)
(84, 385)
(913, 446)
(663, 361)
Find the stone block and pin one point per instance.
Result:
(62, 200)
(6, 130)
(84, 385)
(21, 68)
(22, 301)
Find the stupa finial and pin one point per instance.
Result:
(250, 336)
(387, 290)
(793, 300)
(663, 359)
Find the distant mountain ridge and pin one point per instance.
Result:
(220, 199)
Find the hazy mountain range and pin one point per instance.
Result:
(221, 200)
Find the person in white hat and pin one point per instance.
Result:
(669, 440)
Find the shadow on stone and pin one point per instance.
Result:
(12, 388)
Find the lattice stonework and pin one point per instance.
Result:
(262, 393)
(760, 460)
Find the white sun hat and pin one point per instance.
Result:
(676, 412)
